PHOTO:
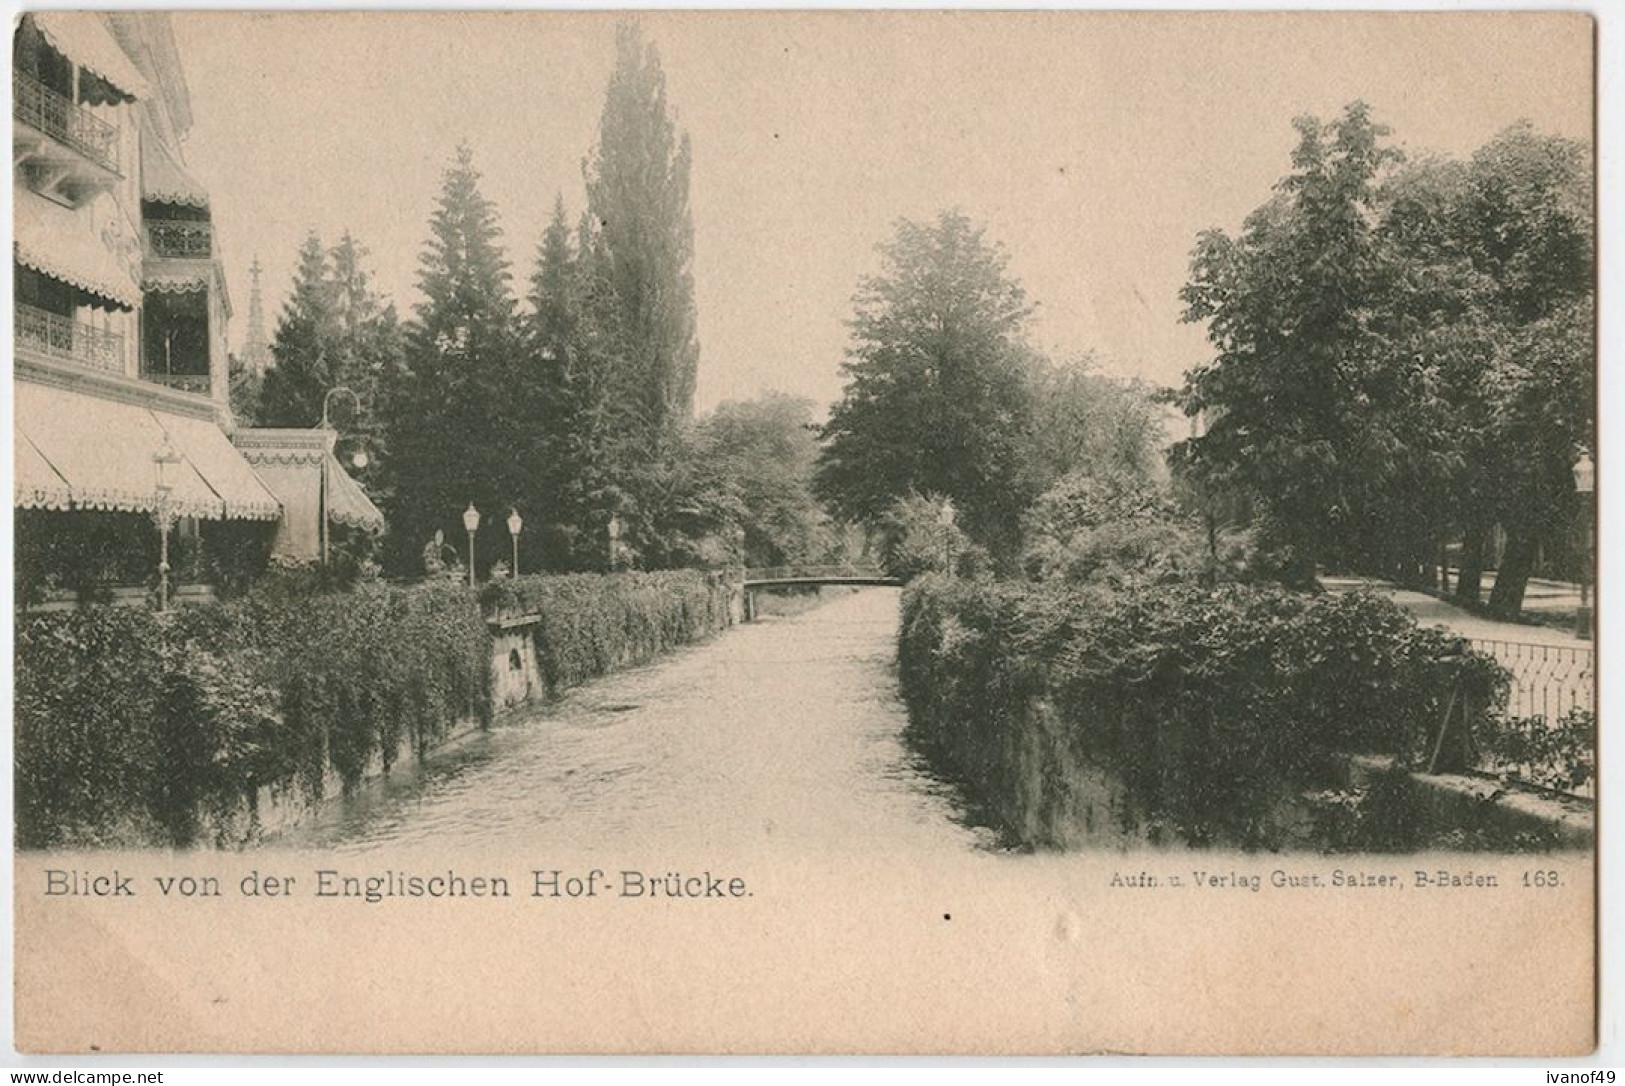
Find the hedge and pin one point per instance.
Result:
(590, 624)
(1209, 705)
(132, 727)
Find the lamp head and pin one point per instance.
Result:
(471, 518)
(515, 522)
(162, 460)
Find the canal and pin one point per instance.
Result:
(784, 735)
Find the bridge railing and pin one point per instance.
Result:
(812, 573)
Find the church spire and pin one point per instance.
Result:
(257, 350)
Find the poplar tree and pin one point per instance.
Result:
(637, 195)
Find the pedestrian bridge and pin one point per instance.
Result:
(814, 576)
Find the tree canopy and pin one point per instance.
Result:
(1402, 353)
(936, 400)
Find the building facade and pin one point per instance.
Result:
(123, 417)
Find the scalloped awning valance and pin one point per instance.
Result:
(176, 282)
(210, 451)
(82, 38)
(347, 503)
(57, 242)
(102, 452)
(164, 177)
(35, 483)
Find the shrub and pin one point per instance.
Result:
(88, 686)
(590, 624)
(920, 534)
(129, 725)
(1559, 754)
(1112, 528)
(1209, 704)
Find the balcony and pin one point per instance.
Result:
(69, 340)
(54, 114)
(180, 239)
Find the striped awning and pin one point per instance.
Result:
(35, 483)
(164, 177)
(102, 452)
(347, 503)
(84, 39)
(55, 241)
(206, 448)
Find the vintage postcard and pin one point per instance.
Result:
(804, 532)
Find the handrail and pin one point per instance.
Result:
(65, 338)
(57, 116)
(186, 239)
(811, 573)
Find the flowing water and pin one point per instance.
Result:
(781, 734)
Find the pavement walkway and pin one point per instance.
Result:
(1431, 611)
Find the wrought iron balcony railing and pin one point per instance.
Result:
(40, 107)
(68, 339)
(186, 239)
(181, 382)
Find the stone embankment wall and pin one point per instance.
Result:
(222, 723)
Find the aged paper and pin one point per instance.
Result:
(745, 825)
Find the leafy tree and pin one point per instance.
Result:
(1528, 225)
(936, 399)
(1402, 355)
(766, 450)
(920, 534)
(643, 235)
(450, 422)
(1085, 421)
(1299, 398)
(1116, 526)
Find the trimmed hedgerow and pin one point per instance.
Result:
(131, 727)
(135, 728)
(88, 685)
(590, 624)
(1209, 704)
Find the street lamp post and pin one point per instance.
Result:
(471, 522)
(327, 402)
(163, 516)
(945, 518)
(1585, 484)
(515, 524)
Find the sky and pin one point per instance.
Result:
(1094, 147)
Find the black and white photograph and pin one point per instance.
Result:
(804, 532)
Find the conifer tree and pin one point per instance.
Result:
(452, 425)
(305, 367)
(369, 347)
